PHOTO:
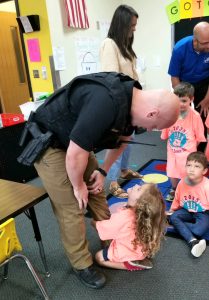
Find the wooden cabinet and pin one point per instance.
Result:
(13, 80)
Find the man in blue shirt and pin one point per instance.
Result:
(190, 62)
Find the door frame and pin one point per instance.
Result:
(24, 52)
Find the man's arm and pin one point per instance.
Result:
(76, 163)
(174, 81)
(110, 158)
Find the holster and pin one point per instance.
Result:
(34, 149)
(36, 146)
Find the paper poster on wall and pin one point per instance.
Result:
(173, 12)
(186, 9)
(34, 50)
(140, 64)
(59, 58)
(87, 54)
(104, 28)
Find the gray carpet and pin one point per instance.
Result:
(176, 274)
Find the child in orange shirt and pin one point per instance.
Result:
(189, 212)
(136, 230)
(207, 147)
(183, 137)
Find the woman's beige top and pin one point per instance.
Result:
(112, 60)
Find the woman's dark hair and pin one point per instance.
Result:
(120, 29)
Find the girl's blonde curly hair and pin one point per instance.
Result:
(150, 220)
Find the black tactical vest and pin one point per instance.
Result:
(54, 115)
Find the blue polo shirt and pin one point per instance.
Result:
(187, 64)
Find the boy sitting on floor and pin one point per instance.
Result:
(189, 212)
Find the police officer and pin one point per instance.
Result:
(92, 112)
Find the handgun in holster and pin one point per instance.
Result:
(37, 145)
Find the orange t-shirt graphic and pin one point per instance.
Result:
(183, 138)
(192, 198)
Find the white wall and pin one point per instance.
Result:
(153, 41)
(152, 37)
(61, 35)
(8, 6)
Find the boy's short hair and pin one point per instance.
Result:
(198, 157)
(184, 89)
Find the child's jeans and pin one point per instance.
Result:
(190, 225)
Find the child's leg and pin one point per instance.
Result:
(174, 182)
(182, 221)
(198, 228)
(171, 194)
(201, 225)
(178, 219)
(101, 260)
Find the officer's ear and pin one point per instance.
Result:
(154, 113)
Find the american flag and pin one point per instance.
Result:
(76, 13)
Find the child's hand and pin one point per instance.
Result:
(169, 212)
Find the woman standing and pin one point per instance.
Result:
(117, 55)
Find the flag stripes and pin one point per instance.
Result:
(76, 14)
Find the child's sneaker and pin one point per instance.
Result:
(170, 195)
(145, 263)
(129, 267)
(198, 247)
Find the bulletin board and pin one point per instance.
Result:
(185, 27)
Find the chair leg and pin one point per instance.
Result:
(33, 272)
(5, 274)
(43, 257)
(32, 217)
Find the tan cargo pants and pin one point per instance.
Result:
(52, 171)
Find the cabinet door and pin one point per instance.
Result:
(13, 80)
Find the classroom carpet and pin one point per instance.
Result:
(153, 171)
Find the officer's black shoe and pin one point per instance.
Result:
(91, 277)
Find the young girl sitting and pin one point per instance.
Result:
(136, 230)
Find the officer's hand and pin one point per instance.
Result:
(97, 180)
(81, 195)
